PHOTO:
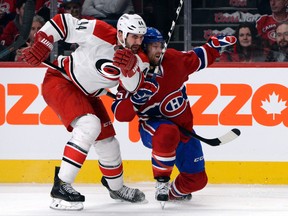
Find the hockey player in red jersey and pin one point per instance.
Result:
(92, 67)
(163, 107)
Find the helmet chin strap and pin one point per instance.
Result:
(122, 43)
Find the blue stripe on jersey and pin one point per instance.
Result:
(114, 105)
(202, 55)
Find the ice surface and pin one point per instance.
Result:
(230, 200)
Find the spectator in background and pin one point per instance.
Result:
(74, 8)
(37, 23)
(279, 50)
(263, 7)
(266, 24)
(39, 4)
(7, 13)
(8, 6)
(247, 48)
(107, 10)
(44, 10)
(12, 29)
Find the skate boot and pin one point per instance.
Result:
(175, 195)
(162, 190)
(184, 198)
(125, 193)
(64, 196)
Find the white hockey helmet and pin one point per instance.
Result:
(131, 23)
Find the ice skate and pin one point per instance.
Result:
(162, 190)
(125, 193)
(64, 196)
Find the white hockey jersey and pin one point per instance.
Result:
(90, 65)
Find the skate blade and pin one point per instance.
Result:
(59, 204)
(162, 203)
(125, 201)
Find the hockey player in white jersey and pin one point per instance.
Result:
(95, 65)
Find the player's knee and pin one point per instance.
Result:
(86, 129)
(166, 138)
(201, 179)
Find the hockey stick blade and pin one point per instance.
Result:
(25, 29)
(228, 137)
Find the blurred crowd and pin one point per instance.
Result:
(263, 40)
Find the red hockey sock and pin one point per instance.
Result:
(164, 142)
(188, 183)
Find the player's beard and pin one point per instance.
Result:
(283, 45)
(154, 59)
(135, 48)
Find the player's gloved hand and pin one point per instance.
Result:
(40, 50)
(127, 61)
(144, 93)
(220, 42)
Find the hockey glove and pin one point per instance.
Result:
(40, 50)
(220, 42)
(144, 93)
(126, 61)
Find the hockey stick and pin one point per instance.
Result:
(55, 67)
(28, 15)
(170, 32)
(228, 137)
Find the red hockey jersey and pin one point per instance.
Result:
(266, 26)
(171, 101)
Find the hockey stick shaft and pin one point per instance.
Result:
(55, 67)
(170, 32)
(29, 10)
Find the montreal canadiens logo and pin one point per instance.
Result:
(272, 35)
(107, 69)
(173, 105)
